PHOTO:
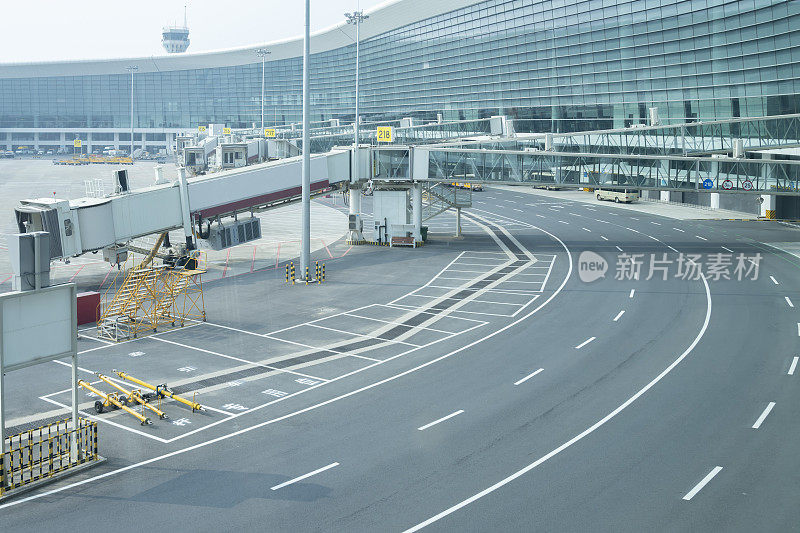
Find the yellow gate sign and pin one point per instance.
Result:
(269, 133)
(226, 131)
(76, 143)
(201, 129)
(384, 134)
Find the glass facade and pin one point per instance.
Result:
(554, 65)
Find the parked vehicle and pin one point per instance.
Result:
(620, 195)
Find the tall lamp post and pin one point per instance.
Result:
(262, 53)
(305, 237)
(356, 18)
(132, 69)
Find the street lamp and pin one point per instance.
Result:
(305, 184)
(262, 53)
(356, 18)
(132, 69)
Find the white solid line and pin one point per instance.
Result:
(619, 315)
(529, 376)
(702, 238)
(775, 281)
(678, 229)
(798, 329)
(604, 238)
(793, 366)
(304, 476)
(788, 301)
(618, 248)
(584, 343)
(726, 249)
(703, 483)
(451, 415)
(763, 416)
(632, 293)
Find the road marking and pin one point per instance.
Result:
(634, 218)
(633, 291)
(656, 223)
(526, 378)
(701, 238)
(619, 315)
(515, 209)
(775, 281)
(798, 329)
(678, 229)
(703, 483)
(540, 216)
(586, 229)
(618, 248)
(763, 416)
(584, 343)
(793, 366)
(673, 249)
(788, 301)
(451, 415)
(726, 249)
(304, 476)
(604, 238)
(561, 221)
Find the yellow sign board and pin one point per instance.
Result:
(269, 133)
(201, 129)
(76, 143)
(384, 134)
(226, 131)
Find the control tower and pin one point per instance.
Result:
(175, 39)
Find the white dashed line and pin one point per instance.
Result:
(673, 249)
(515, 209)
(763, 416)
(586, 229)
(656, 223)
(701, 238)
(633, 291)
(678, 229)
(584, 343)
(304, 476)
(618, 248)
(451, 415)
(726, 249)
(603, 237)
(526, 378)
(697, 488)
(564, 222)
(788, 301)
(793, 366)
(619, 315)
(775, 281)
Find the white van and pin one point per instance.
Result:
(623, 195)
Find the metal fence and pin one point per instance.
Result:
(43, 452)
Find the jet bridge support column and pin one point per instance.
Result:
(355, 225)
(186, 217)
(416, 209)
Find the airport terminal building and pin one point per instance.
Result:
(552, 65)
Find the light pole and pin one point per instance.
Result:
(262, 53)
(132, 69)
(356, 18)
(305, 237)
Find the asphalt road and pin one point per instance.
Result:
(603, 405)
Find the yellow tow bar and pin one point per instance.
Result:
(134, 395)
(111, 399)
(160, 390)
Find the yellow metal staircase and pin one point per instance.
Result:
(141, 298)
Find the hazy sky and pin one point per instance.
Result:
(46, 30)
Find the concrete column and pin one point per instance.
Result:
(458, 222)
(35, 140)
(768, 206)
(416, 209)
(714, 200)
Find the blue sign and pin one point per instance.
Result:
(708, 183)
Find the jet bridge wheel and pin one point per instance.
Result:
(98, 407)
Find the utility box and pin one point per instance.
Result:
(231, 233)
(391, 212)
(21, 251)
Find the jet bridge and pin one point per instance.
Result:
(91, 224)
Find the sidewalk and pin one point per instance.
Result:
(678, 212)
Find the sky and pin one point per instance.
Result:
(50, 30)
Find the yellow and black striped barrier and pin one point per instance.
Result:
(46, 451)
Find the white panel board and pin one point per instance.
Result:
(37, 325)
